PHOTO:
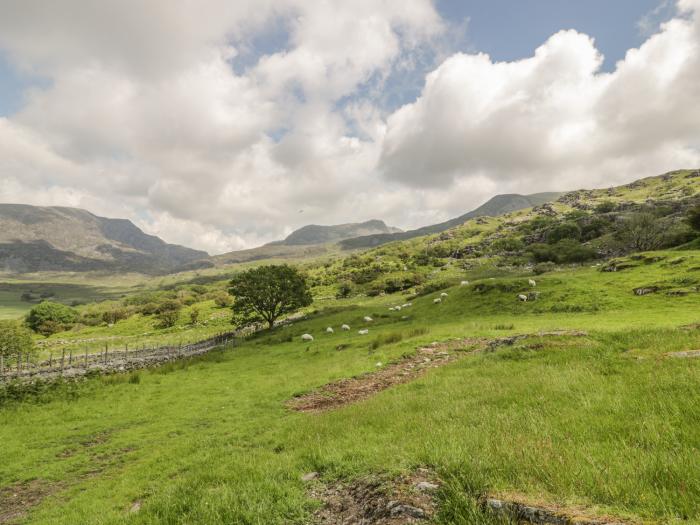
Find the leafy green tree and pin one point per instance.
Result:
(15, 339)
(194, 316)
(694, 218)
(267, 292)
(49, 318)
(641, 232)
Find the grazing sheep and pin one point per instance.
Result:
(329, 330)
(443, 294)
(391, 309)
(345, 328)
(532, 283)
(368, 319)
(363, 332)
(407, 305)
(307, 337)
(464, 283)
(397, 308)
(379, 364)
(522, 297)
(438, 300)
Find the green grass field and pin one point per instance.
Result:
(606, 422)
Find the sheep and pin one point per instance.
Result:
(464, 283)
(363, 332)
(391, 309)
(307, 337)
(532, 283)
(345, 328)
(397, 308)
(522, 297)
(443, 294)
(329, 330)
(407, 305)
(367, 319)
(437, 301)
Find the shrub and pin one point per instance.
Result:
(605, 207)
(693, 218)
(49, 318)
(168, 313)
(15, 339)
(223, 300)
(345, 289)
(543, 267)
(565, 251)
(113, 315)
(565, 230)
(507, 244)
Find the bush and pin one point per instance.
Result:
(543, 267)
(565, 251)
(565, 230)
(49, 318)
(693, 218)
(507, 244)
(113, 315)
(15, 339)
(605, 207)
(168, 313)
(345, 289)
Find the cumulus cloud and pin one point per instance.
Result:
(147, 113)
(554, 119)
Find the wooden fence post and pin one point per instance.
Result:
(63, 357)
(86, 358)
(70, 358)
(2, 365)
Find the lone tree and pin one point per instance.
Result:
(641, 232)
(265, 293)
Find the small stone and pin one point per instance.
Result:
(310, 476)
(407, 510)
(426, 486)
(135, 507)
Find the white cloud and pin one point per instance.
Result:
(143, 115)
(554, 120)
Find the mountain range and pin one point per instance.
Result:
(35, 239)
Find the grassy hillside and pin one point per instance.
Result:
(604, 422)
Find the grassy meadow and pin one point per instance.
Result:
(604, 422)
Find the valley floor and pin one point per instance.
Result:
(607, 421)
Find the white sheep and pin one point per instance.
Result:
(522, 297)
(307, 337)
(397, 308)
(407, 305)
(532, 283)
(363, 332)
(329, 330)
(464, 283)
(437, 301)
(368, 319)
(345, 328)
(391, 309)
(443, 294)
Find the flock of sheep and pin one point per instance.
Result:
(398, 308)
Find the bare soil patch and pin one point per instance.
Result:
(377, 501)
(346, 391)
(16, 500)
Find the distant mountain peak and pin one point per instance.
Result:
(317, 234)
(37, 238)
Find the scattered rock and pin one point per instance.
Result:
(685, 354)
(135, 507)
(426, 486)
(310, 476)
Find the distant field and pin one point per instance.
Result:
(71, 293)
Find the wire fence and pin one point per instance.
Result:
(72, 364)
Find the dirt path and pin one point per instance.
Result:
(346, 391)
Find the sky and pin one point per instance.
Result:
(225, 124)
